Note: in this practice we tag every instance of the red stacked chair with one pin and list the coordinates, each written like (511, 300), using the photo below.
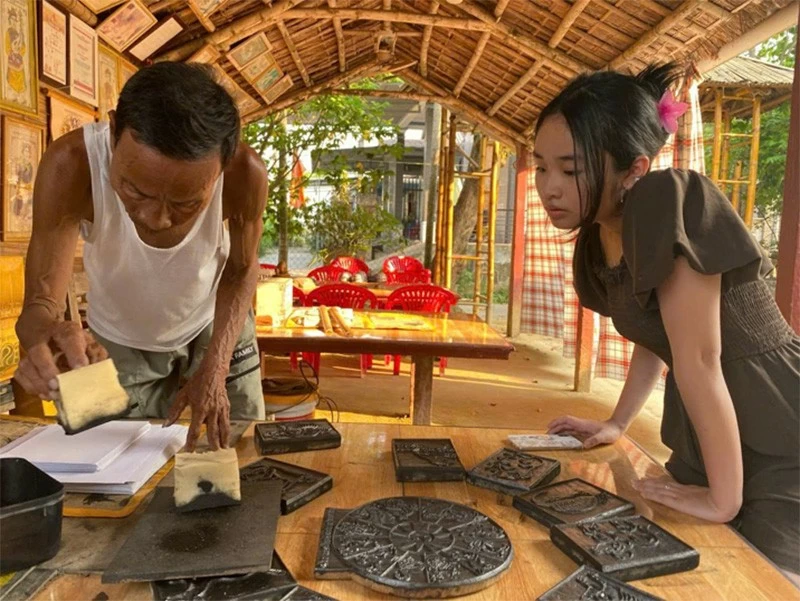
(345, 296)
(423, 298)
(350, 264)
(327, 274)
(405, 270)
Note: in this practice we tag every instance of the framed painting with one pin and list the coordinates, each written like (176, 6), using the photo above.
(82, 61)
(125, 71)
(278, 89)
(53, 39)
(266, 80)
(160, 35)
(108, 86)
(67, 115)
(22, 150)
(99, 6)
(19, 84)
(249, 50)
(208, 54)
(125, 25)
(203, 9)
(258, 66)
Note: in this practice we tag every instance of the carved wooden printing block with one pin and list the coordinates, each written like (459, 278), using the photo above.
(416, 547)
(274, 438)
(587, 584)
(513, 472)
(300, 485)
(628, 548)
(570, 502)
(426, 460)
(329, 566)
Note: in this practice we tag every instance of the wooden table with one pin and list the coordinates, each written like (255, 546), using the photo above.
(362, 470)
(453, 335)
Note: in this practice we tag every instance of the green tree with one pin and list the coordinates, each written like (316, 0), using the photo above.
(322, 124)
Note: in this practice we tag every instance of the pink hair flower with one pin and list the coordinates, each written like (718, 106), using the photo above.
(669, 111)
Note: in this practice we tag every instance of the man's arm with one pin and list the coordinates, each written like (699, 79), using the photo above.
(61, 198)
(244, 198)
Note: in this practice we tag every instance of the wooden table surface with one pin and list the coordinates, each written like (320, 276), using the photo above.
(362, 471)
(455, 335)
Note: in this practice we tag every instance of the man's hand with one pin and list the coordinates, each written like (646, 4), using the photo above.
(208, 398)
(69, 346)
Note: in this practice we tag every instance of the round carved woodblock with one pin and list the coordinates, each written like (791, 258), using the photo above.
(422, 548)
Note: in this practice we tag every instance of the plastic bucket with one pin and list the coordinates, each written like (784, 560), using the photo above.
(289, 399)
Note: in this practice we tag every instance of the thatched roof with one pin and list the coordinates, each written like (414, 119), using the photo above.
(740, 79)
(495, 62)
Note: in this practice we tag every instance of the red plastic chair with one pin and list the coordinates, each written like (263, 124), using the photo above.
(353, 265)
(422, 298)
(327, 274)
(405, 270)
(346, 296)
(267, 270)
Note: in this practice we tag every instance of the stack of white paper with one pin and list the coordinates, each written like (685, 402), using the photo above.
(113, 458)
(51, 450)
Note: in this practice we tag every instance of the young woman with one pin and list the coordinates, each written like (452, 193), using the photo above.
(666, 256)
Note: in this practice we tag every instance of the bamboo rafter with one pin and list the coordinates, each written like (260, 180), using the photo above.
(572, 14)
(74, 7)
(287, 38)
(426, 42)
(340, 48)
(476, 56)
(500, 8)
(512, 91)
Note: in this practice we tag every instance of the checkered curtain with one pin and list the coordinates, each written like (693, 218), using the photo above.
(550, 305)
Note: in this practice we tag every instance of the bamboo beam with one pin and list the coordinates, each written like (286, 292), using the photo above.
(450, 205)
(500, 8)
(390, 16)
(514, 323)
(521, 82)
(363, 70)
(399, 95)
(438, 261)
(737, 176)
(717, 152)
(726, 146)
(492, 126)
(227, 36)
(287, 38)
(787, 292)
(753, 177)
(163, 4)
(494, 190)
(665, 25)
(476, 288)
(572, 15)
(426, 42)
(340, 44)
(559, 61)
(476, 56)
(76, 8)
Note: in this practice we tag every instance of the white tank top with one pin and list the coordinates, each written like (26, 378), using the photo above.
(153, 299)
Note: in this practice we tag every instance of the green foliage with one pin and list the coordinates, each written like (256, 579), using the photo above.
(338, 228)
(774, 136)
(466, 283)
(322, 124)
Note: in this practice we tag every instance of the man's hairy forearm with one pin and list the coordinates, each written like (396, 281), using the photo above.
(36, 321)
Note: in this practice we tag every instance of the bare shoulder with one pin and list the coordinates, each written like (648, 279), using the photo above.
(64, 178)
(245, 186)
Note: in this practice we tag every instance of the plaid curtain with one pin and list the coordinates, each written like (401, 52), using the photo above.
(550, 305)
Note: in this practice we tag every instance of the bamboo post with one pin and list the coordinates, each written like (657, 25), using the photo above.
(726, 148)
(450, 204)
(715, 157)
(737, 175)
(494, 184)
(476, 290)
(440, 213)
(753, 178)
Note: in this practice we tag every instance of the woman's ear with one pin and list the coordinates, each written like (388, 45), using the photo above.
(638, 169)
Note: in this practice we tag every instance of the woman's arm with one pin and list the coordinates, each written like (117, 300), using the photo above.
(690, 309)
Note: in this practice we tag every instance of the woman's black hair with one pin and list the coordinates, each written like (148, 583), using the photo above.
(180, 110)
(615, 114)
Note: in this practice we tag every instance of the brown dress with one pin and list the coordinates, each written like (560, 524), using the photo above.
(670, 213)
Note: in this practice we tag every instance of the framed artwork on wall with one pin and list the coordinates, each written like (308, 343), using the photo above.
(125, 25)
(53, 45)
(159, 36)
(208, 54)
(99, 6)
(82, 61)
(19, 82)
(249, 50)
(67, 115)
(125, 71)
(22, 149)
(108, 82)
(203, 9)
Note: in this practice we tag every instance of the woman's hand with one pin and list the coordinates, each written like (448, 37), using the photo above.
(591, 432)
(693, 500)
